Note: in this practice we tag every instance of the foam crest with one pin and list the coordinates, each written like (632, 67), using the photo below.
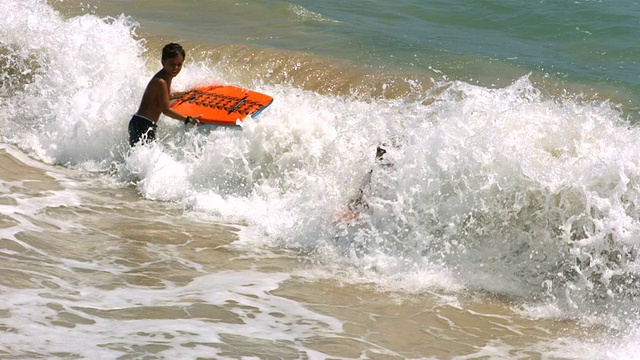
(306, 14)
(512, 189)
(83, 71)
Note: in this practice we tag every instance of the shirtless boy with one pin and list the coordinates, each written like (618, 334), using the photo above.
(157, 96)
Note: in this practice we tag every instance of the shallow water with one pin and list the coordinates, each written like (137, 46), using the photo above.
(507, 226)
(93, 271)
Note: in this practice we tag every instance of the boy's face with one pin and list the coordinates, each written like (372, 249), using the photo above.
(172, 66)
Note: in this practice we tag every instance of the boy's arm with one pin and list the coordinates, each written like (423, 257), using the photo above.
(165, 103)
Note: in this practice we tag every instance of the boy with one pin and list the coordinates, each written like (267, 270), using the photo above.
(156, 98)
(358, 203)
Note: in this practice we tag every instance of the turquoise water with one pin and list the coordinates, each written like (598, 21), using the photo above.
(590, 43)
(586, 42)
(515, 177)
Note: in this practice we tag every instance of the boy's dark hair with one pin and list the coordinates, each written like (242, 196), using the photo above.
(172, 50)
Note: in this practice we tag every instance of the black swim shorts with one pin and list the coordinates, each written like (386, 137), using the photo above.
(141, 129)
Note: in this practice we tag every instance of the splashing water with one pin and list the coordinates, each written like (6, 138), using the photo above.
(511, 191)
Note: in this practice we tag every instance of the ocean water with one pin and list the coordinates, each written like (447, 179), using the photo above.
(505, 224)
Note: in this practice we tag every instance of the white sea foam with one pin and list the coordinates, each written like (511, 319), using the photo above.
(508, 191)
(246, 311)
(489, 183)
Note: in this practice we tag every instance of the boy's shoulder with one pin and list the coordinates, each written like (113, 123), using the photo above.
(158, 81)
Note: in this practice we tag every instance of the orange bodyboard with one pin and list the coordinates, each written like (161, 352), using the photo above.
(221, 104)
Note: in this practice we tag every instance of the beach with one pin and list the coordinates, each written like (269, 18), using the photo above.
(504, 224)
